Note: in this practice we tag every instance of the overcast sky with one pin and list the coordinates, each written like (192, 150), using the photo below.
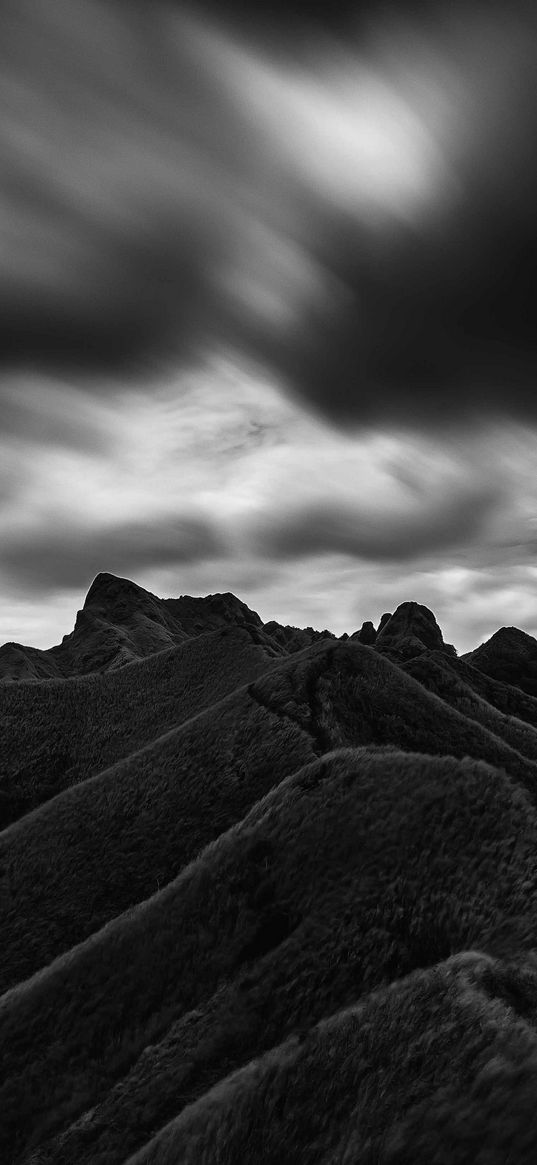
(265, 319)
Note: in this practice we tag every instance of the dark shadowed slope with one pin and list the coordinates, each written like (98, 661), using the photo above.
(266, 895)
(506, 698)
(355, 871)
(509, 655)
(120, 835)
(121, 622)
(410, 631)
(355, 1089)
(445, 679)
(58, 733)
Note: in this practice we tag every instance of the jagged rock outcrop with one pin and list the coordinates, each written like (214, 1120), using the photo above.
(366, 635)
(294, 638)
(121, 622)
(411, 630)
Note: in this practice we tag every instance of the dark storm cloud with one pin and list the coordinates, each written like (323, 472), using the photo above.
(432, 331)
(153, 213)
(331, 528)
(280, 19)
(53, 558)
(430, 319)
(277, 17)
(145, 301)
(109, 140)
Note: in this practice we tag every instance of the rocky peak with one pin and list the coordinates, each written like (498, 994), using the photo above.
(108, 592)
(411, 622)
(366, 635)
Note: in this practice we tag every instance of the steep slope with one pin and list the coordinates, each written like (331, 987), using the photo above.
(506, 698)
(509, 655)
(435, 673)
(119, 836)
(128, 830)
(56, 734)
(357, 870)
(410, 631)
(121, 622)
(266, 895)
(27, 663)
(355, 1088)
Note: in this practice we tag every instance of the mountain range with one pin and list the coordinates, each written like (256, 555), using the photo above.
(266, 895)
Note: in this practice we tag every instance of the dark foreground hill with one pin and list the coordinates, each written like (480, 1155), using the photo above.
(266, 895)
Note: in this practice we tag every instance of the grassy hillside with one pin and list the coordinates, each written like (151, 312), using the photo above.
(354, 1089)
(107, 843)
(102, 846)
(58, 733)
(510, 655)
(506, 698)
(354, 872)
(437, 675)
(266, 895)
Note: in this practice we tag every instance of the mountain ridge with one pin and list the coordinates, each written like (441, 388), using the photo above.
(120, 622)
(244, 866)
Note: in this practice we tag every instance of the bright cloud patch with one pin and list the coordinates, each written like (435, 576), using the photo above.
(219, 481)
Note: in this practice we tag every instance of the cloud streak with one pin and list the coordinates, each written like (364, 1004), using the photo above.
(243, 480)
(62, 559)
(355, 218)
(402, 536)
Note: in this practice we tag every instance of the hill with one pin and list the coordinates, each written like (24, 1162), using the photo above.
(121, 622)
(510, 655)
(58, 733)
(266, 895)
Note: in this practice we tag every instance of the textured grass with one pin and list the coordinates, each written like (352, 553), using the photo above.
(60, 732)
(104, 845)
(376, 1082)
(265, 901)
(355, 871)
(113, 840)
(439, 677)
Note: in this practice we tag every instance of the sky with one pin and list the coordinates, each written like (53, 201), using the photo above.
(265, 308)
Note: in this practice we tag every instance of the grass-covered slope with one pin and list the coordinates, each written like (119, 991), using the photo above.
(510, 655)
(105, 844)
(438, 675)
(355, 871)
(58, 733)
(438, 1069)
(121, 622)
(507, 698)
(265, 895)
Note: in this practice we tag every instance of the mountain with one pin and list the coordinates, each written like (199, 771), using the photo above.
(121, 622)
(411, 630)
(509, 655)
(265, 894)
